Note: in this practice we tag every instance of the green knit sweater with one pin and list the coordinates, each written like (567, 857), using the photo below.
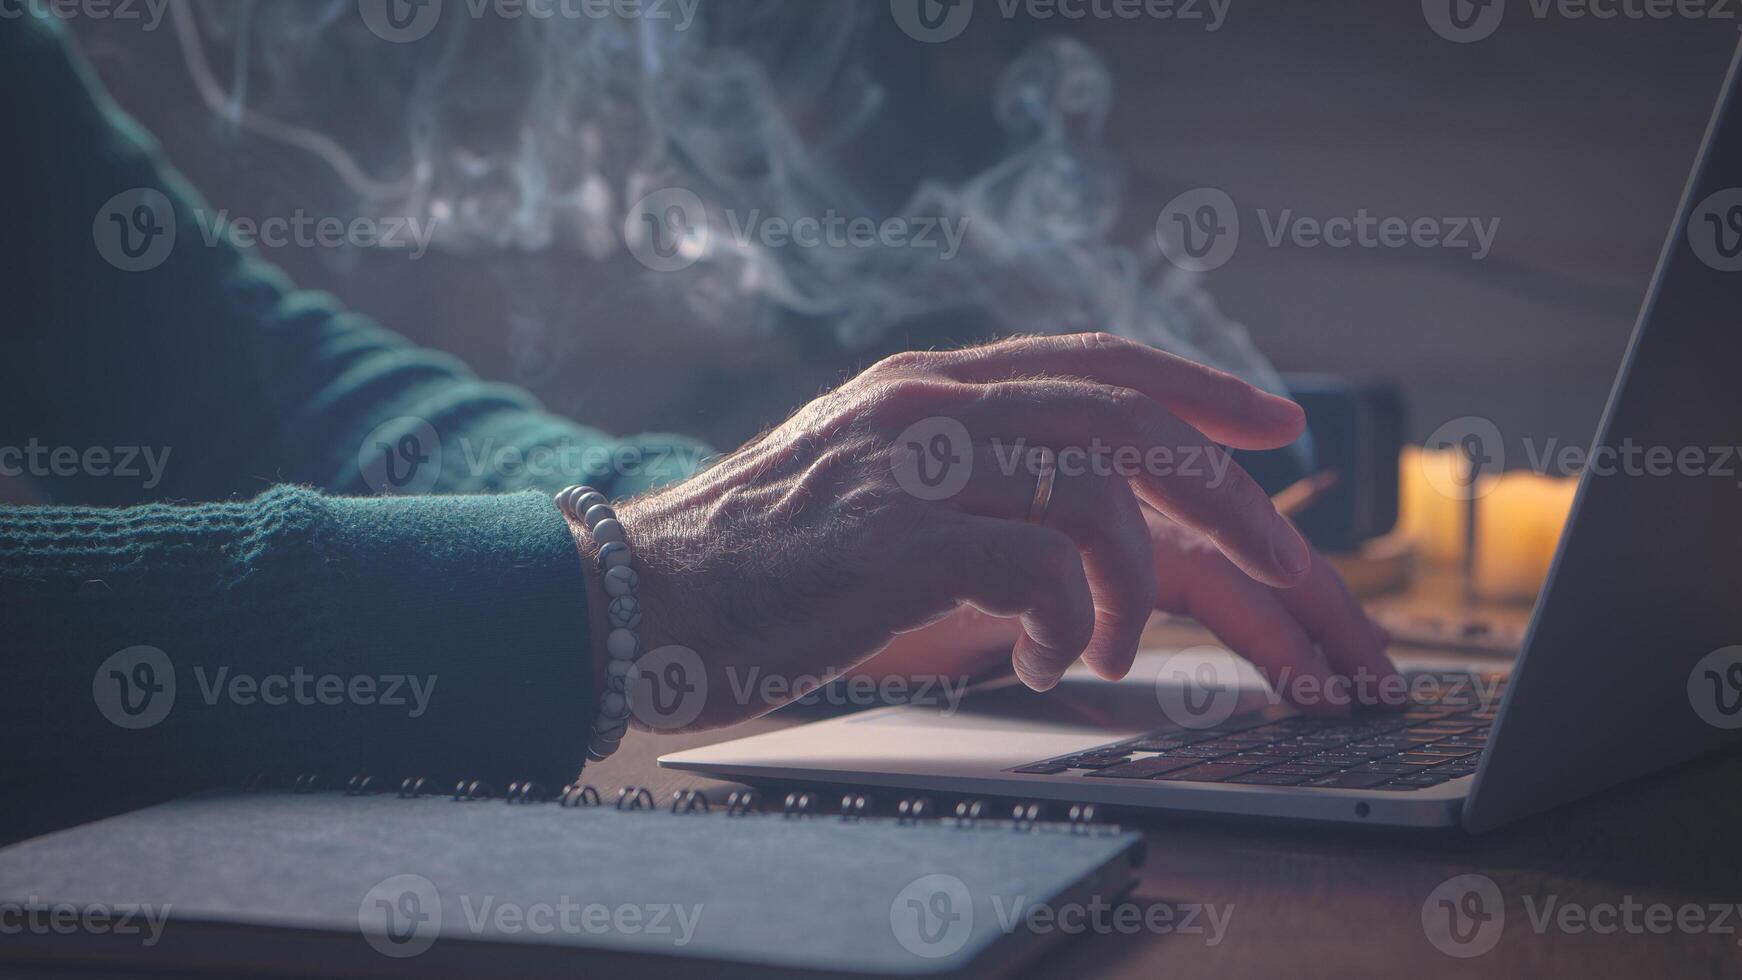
(211, 443)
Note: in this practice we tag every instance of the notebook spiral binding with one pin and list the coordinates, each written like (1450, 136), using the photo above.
(1025, 817)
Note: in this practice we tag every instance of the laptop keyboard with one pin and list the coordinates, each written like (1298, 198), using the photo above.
(1438, 739)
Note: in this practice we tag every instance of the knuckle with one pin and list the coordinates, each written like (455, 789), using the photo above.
(901, 361)
(1014, 396)
(1014, 342)
(1102, 340)
(902, 398)
(1125, 404)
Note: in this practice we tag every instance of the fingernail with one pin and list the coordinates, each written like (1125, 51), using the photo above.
(1288, 548)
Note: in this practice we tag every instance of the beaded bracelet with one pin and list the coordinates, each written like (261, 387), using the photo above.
(623, 644)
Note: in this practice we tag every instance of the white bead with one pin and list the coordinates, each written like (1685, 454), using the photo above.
(622, 644)
(586, 500)
(625, 612)
(596, 513)
(621, 580)
(614, 553)
(608, 531)
(572, 500)
(617, 673)
(614, 705)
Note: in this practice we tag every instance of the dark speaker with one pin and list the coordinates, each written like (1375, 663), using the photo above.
(1357, 430)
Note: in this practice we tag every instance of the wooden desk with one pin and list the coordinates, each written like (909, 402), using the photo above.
(1348, 903)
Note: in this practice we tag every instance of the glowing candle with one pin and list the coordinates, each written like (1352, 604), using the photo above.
(1518, 525)
(1518, 520)
(1431, 510)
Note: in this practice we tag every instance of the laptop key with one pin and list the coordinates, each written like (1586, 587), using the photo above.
(1205, 751)
(1209, 772)
(1097, 762)
(1267, 756)
(1157, 744)
(1043, 768)
(1340, 759)
(1449, 751)
(1296, 769)
(1417, 759)
(1373, 748)
(1144, 768)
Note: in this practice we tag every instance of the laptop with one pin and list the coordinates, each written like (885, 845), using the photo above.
(1632, 661)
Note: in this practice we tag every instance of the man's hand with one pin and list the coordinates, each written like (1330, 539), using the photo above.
(887, 505)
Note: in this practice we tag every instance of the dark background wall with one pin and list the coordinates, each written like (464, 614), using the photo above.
(1575, 134)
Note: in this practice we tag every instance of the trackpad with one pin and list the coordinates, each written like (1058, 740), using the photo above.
(1165, 687)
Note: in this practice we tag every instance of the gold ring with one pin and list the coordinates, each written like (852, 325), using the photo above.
(1046, 474)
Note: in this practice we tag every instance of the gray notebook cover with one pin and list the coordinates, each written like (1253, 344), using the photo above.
(376, 885)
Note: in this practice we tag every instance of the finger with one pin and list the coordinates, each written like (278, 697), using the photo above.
(1353, 644)
(1101, 515)
(1226, 408)
(1173, 466)
(1012, 569)
(1251, 620)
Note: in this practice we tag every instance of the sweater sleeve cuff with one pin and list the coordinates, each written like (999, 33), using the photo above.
(484, 596)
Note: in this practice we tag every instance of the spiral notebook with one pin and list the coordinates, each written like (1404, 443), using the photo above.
(348, 884)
